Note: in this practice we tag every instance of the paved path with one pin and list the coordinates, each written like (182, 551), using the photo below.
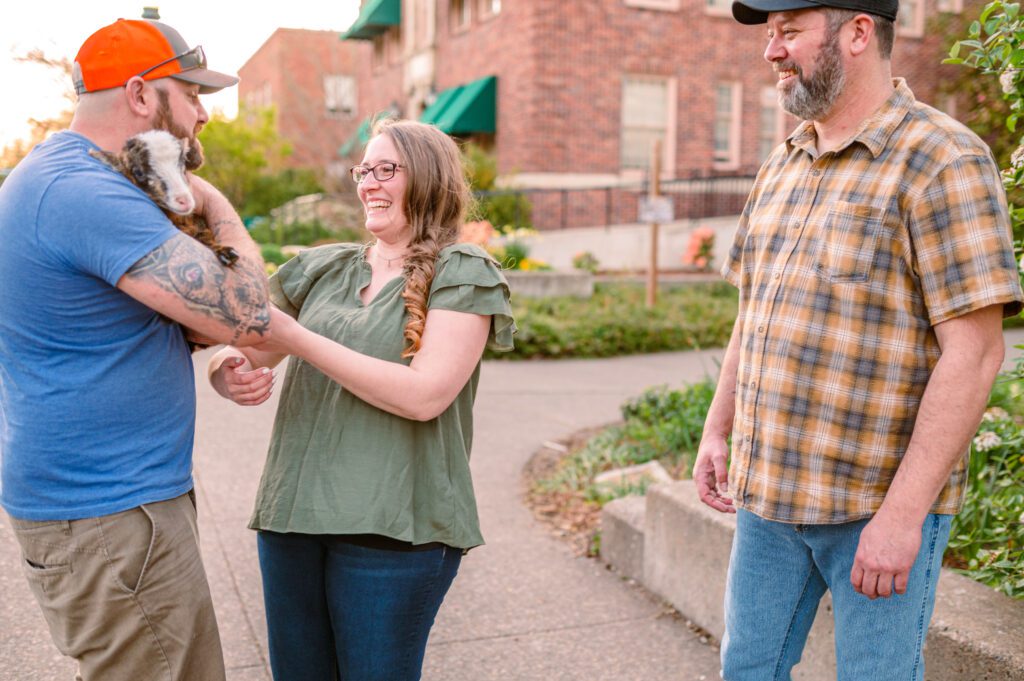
(522, 607)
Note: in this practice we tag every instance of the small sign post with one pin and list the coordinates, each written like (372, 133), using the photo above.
(655, 209)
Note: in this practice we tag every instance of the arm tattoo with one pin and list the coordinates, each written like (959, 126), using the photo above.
(235, 297)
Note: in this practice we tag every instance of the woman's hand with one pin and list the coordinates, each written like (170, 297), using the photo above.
(236, 380)
(284, 331)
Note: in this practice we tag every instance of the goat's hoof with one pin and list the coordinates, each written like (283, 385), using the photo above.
(227, 256)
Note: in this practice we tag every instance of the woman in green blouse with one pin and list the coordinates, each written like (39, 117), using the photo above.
(366, 505)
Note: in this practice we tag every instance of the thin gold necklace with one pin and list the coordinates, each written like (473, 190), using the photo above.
(376, 252)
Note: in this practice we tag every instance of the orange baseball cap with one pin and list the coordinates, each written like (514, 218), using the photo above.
(141, 47)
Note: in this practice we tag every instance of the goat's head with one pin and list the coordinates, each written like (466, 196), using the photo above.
(156, 161)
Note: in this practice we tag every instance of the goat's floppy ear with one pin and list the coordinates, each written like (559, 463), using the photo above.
(135, 156)
(193, 154)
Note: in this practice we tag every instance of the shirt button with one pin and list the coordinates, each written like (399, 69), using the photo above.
(796, 224)
(760, 329)
(753, 384)
(816, 173)
(777, 276)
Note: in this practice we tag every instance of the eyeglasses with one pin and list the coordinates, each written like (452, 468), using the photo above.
(382, 172)
(193, 59)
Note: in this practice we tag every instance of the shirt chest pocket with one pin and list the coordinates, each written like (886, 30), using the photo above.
(849, 242)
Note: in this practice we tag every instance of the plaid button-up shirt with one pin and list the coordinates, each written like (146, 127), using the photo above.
(845, 262)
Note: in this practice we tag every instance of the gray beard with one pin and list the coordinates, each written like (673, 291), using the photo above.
(811, 99)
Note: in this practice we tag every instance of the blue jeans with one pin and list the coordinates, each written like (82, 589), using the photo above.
(337, 609)
(777, 574)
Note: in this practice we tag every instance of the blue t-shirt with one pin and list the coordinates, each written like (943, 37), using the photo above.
(97, 395)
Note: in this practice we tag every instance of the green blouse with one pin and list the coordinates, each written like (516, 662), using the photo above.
(338, 465)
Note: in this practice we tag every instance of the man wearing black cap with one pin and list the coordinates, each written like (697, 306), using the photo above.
(874, 263)
(97, 402)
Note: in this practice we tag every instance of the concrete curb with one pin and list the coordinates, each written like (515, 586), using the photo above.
(976, 634)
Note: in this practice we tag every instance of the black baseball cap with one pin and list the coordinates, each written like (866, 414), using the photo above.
(757, 11)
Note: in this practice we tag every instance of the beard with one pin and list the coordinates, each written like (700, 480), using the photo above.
(813, 97)
(164, 120)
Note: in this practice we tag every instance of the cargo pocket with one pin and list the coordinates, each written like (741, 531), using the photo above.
(849, 242)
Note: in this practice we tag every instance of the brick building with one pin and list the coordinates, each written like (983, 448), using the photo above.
(310, 78)
(578, 89)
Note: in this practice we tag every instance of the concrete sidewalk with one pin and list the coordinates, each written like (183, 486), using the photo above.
(523, 607)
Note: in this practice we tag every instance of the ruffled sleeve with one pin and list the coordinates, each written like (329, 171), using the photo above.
(292, 281)
(468, 280)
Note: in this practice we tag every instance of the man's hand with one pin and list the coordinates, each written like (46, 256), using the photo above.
(711, 474)
(887, 550)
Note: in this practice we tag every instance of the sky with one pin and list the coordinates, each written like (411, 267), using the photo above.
(228, 36)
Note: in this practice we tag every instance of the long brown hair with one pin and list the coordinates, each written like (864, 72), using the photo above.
(436, 200)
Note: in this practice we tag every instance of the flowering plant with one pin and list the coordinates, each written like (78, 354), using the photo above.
(699, 249)
(586, 261)
(479, 233)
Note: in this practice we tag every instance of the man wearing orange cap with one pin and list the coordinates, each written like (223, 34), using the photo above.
(874, 263)
(97, 402)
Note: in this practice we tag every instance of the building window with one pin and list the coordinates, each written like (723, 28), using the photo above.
(771, 123)
(955, 6)
(379, 53)
(340, 95)
(910, 19)
(645, 112)
(666, 5)
(727, 126)
(460, 13)
(722, 8)
(489, 8)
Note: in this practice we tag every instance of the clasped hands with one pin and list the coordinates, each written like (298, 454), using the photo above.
(239, 381)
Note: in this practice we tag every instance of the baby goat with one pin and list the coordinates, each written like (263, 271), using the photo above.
(155, 162)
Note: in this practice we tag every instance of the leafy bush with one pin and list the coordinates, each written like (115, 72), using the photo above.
(272, 254)
(503, 209)
(303, 233)
(987, 540)
(660, 424)
(615, 321)
(988, 536)
(586, 261)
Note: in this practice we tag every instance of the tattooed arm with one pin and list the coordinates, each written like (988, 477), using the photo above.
(183, 279)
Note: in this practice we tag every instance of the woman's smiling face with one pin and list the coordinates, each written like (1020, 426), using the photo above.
(384, 200)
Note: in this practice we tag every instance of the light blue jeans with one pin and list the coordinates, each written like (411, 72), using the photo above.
(778, 573)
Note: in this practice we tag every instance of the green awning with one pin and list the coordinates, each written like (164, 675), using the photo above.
(375, 17)
(361, 136)
(465, 109)
(443, 99)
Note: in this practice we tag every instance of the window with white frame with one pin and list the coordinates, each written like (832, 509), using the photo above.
(718, 7)
(666, 5)
(488, 8)
(727, 125)
(459, 14)
(954, 6)
(772, 129)
(910, 19)
(340, 95)
(645, 112)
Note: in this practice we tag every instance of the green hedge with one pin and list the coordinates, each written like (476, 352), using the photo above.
(615, 321)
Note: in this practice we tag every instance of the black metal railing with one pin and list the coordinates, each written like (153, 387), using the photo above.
(693, 198)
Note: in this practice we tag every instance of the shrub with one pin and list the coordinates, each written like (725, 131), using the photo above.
(585, 261)
(615, 321)
(503, 209)
(660, 424)
(987, 540)
(272, 254)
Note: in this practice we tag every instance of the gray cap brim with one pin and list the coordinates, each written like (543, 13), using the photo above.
(207, 80)
(753, 12)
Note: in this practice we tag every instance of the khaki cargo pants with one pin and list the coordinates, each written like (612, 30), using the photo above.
(126, 594)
